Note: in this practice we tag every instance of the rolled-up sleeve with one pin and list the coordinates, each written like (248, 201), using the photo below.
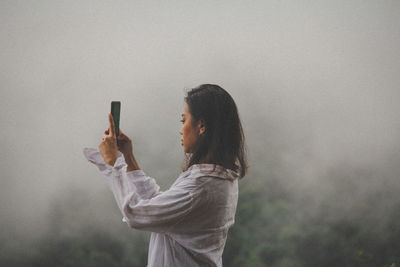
(160, 213)
(142, 204)
(146, 186)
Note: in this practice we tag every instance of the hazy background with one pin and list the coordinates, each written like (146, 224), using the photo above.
(316, 85)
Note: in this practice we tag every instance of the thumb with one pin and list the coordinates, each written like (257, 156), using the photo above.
(121, 136)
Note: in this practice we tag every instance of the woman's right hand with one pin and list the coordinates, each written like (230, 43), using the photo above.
(124, 143)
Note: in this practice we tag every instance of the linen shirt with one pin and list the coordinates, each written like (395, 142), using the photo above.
(189, 222)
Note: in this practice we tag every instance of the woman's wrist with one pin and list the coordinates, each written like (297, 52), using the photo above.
(131, 162)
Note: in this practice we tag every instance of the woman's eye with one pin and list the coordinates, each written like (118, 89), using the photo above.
(182, 121)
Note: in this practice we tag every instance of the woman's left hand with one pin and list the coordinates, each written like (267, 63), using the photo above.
(108, 147)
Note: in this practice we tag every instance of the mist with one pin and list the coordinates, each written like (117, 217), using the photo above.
(316, 85)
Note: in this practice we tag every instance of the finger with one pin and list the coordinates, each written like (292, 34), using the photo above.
(121, 133)
(112, 128)
(122, 136)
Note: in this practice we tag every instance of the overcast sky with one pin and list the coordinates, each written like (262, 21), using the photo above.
(316, 83)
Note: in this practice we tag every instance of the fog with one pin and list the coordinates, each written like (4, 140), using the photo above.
(316, 85)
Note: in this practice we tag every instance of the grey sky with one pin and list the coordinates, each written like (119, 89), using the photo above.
(315, 84)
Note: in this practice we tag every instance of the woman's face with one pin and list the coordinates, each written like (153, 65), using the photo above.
(190, 133)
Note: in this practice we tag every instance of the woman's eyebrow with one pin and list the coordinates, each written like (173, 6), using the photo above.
(183, 115)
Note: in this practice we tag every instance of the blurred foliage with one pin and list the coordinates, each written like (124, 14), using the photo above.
(275, 232)
(272, 228)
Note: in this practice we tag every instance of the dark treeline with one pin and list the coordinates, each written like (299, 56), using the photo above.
(273, 227)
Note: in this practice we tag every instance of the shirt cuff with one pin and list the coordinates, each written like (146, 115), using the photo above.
(136, 173)
(119, 164)
(94, 156)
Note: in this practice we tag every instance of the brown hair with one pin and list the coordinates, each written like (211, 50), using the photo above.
(223, 141)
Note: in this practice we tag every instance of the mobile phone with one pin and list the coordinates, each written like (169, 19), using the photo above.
(115, 112)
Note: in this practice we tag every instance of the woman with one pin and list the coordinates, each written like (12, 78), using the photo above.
(190, 221)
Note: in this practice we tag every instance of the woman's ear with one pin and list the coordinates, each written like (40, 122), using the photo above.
(201, 126)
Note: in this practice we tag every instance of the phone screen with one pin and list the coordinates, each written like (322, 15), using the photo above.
(115, 112)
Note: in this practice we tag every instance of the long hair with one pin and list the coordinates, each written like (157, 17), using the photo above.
(223, 142)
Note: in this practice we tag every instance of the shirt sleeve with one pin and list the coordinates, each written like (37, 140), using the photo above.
(146, 186)
(142, 204)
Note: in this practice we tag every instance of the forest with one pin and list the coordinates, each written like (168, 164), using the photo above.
(273, 227)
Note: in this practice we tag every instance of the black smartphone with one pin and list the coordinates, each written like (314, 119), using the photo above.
(115, 112)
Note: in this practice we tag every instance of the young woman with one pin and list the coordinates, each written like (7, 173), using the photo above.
(189, 221)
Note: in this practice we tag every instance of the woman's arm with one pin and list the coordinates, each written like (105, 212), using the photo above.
(131, 163)
(144, 185)
(126, 148)
(159, 213)
(138, 197)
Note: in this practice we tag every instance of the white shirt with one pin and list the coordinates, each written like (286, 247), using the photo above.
(189, 221)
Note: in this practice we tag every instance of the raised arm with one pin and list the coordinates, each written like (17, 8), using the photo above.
(159, 213)
(117, 151)
(142, 204)
(136, 180)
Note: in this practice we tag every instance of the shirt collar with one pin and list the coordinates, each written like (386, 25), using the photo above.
(213, 170)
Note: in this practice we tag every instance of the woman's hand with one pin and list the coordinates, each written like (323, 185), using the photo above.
(108, 147)
(124, 144)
